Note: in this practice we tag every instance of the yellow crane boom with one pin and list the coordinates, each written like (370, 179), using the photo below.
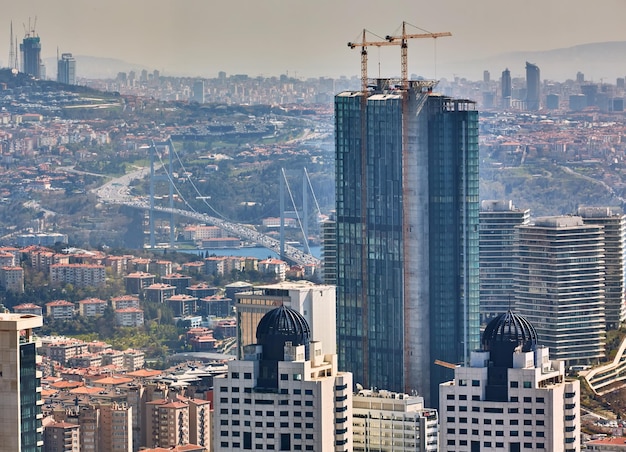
(402, 39)
(364, 44)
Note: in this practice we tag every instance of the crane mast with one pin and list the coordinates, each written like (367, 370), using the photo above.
(404, 48)
(364, 44)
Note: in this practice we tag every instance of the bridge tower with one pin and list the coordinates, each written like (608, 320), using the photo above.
(168, 176)
(301, 215)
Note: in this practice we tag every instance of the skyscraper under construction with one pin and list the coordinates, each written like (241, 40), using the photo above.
(30, 49)
(407, 235)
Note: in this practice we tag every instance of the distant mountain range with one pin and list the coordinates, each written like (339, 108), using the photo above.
(604, 60)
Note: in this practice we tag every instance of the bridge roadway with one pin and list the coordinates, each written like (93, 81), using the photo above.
(116, 191)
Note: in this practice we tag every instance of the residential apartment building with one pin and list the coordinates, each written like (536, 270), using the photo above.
(130, 316)
(80, 275)
(511, 397)
(614, 223)
(389, 421)
(560, 286)
(61, 437)
(274, 267)
(498, 238)
(166, 423)
(12, 278)
(60, 310)
(91, 307)
(286, 394)
(28, 308)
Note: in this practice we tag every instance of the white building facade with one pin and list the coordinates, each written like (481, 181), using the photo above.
(511, 397)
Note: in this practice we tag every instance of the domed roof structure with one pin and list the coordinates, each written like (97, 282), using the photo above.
(283, 325)
(511, 329)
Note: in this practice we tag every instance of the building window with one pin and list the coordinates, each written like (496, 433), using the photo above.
(308, 392)
(284, 377)
(527, 385)
(514, 399)
(539, 400)
(234, 375)
(499, 421)
(462, 382)
(514, 384)
(528, 399)
(475, 382)
(297, 377)
(450, 397)
(462, 420)
(247, 376)
(540, 411)
(450, 408)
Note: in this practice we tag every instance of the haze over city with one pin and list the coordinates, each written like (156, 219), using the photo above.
(308, 39)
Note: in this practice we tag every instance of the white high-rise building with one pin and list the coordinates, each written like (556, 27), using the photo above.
(315, 302)
(614, 224)
(511, 397)
(379, 416)
(285, 395)
(560, 286)
(497, 239)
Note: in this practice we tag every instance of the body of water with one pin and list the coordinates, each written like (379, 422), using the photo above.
(259, 252)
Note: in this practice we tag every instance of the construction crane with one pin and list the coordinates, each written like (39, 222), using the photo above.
(402, 40)
(364, 44)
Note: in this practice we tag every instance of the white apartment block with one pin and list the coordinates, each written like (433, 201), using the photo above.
(12, 278)
(285, 395)
(92, 307)
(60, 310)
(129, 316)
(80, 275)
(389, 421)
(511, 397)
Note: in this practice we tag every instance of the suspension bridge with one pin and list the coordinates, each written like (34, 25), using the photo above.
(117, 192)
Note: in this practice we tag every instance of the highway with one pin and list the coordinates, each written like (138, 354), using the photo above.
(117, 191)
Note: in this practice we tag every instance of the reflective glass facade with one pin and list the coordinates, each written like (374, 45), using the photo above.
(407, 237)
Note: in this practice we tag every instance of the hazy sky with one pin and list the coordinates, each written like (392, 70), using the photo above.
(307, 37)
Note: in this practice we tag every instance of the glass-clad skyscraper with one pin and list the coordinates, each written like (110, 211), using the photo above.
(407, 235)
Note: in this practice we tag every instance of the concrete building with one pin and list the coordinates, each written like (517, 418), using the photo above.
(407, 235)
(60, 310)
(200, 421)
(129, 316)
(511, 397)
(166, 423)
(91, 307)
(498, 237)
(61, 437)
(28, 308)
(80, 275)
(116, 428)
(329, 251)
(20, 417)
(136, 282)
(560, 286)
(378, 416)
(533, 87)
(506, 88)
(182, 305)
(158, 292)
(315, 302)
(30, 49)
(614, 223)
(12, 278)
(66, 69)
(274, 267)
(285, 395)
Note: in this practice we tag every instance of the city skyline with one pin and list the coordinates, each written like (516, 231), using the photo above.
(303, 38)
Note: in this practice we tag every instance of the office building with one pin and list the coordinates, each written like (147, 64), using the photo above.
(66, 69)
(511, 397)
(498, 235)
(30, 49)
(560, 286)
(285, 395)
(198, 91)
(315, 302)
(533, 87)
(20, 392)
(407, 235)
(378, 416)
(506, 88)
(614, 223)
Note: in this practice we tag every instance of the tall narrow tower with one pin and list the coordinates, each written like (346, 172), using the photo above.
(20, 416)
(31, 53)
(407, 235)
(533, 87)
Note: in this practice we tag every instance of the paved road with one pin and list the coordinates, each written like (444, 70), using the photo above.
(117, 191)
